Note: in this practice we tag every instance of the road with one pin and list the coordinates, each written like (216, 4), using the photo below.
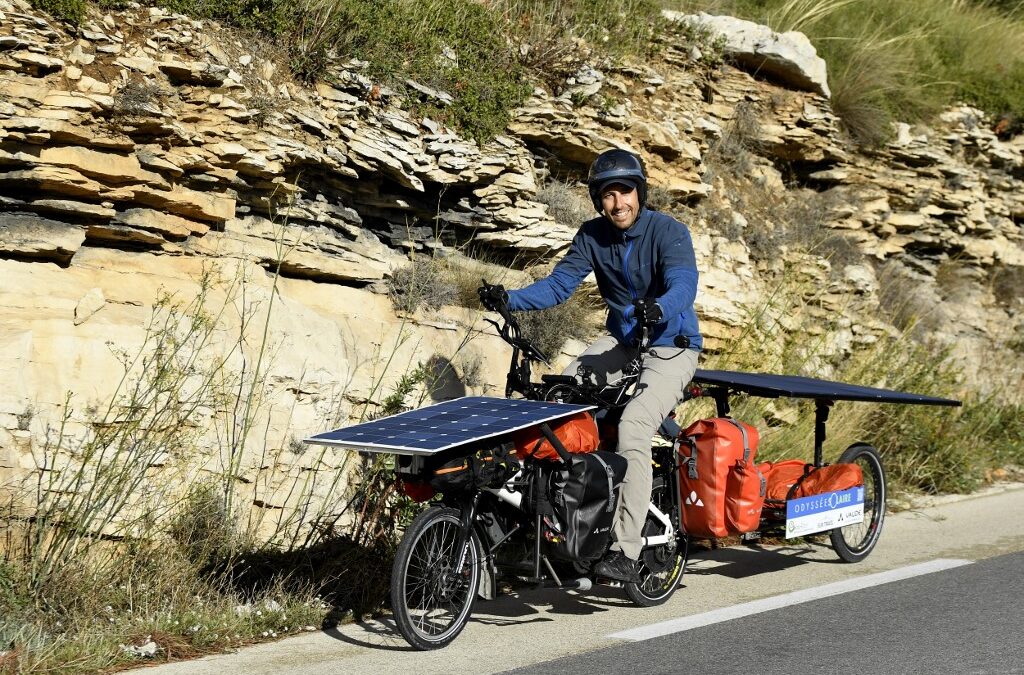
(963, 597)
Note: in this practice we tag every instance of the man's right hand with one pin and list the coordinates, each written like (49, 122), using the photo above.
(494, 298)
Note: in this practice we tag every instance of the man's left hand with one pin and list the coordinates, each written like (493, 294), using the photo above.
(647, 312)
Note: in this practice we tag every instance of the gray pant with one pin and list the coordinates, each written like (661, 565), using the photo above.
(661, 387)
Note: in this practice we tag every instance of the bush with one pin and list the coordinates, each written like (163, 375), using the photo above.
(421, 284)
(567, 206)
(202, 527)
(548, 329)
(72, 11)
(272, 17)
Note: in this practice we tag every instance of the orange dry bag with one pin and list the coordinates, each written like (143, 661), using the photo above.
(831, 478)
(795, 478)
(782, 476)
(722, 490)
(577, 433)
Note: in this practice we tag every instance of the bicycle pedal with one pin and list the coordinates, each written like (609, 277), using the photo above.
(604, 581)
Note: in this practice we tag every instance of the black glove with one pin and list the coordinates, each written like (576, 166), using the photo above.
(494, 298)
(647, 312)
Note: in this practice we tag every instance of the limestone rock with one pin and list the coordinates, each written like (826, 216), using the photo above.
(90, 303)
(29, 236)
(790, 57)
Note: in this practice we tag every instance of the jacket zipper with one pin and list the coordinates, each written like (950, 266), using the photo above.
(625, 269)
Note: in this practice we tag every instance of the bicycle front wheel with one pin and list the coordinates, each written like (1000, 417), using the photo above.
(661, 567)
(433, 585)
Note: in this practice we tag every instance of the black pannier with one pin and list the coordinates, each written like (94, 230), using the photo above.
(582, 500)
(489, 467)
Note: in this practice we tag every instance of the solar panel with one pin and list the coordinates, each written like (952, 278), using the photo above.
(435, 428)
(772, 386)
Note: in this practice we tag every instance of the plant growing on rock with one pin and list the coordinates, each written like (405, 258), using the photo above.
(567, 206)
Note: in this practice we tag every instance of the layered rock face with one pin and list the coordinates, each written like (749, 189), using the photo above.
(152, 156)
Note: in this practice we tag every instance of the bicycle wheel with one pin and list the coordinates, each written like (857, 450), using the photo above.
(854, 542)
(661, 567)
(431, 594)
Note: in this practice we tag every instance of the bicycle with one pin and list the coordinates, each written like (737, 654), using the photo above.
(461, 546)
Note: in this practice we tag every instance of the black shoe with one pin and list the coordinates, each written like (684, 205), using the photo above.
(615, 565)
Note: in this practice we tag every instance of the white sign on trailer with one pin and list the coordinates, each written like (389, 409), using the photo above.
(826, 511)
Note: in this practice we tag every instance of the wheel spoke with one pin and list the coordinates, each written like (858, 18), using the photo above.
(432, 600)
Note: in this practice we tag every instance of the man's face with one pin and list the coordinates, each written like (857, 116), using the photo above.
(621, 205)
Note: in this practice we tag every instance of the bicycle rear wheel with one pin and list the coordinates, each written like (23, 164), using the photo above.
(854, 542)
(431, 593)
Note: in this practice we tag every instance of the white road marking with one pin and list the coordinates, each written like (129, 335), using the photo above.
(785, 600)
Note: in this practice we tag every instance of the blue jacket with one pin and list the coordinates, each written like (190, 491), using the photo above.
(654, 258)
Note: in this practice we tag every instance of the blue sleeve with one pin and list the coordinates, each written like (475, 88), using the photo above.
(558, 286)
(679, 270)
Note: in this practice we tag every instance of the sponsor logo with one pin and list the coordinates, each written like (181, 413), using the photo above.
(693, 500)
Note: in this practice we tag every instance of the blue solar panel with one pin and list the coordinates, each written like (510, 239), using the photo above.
(771, 386)
(439, 427)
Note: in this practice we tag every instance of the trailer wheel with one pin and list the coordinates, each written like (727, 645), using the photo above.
(853, 543)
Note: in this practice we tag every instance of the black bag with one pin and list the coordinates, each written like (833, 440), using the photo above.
(582, 499)
(489, 467)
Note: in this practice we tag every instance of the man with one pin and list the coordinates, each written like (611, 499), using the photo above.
(647, 274)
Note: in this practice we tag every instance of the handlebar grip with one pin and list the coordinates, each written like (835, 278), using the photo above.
(563, 454)
(557, 379)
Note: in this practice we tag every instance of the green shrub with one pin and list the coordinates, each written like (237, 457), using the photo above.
(273, 17)
(72, 11)
(456, 46)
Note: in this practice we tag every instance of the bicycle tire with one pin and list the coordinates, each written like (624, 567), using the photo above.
(660, 567)
(430, 601)
(855, 542)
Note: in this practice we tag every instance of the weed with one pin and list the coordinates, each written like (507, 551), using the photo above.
(1007, 283)
(568, 206)
(732, 152)
(201, 525)
(137, 98)
(264, 106)
(25, 417)
(421, 284)
(660, 199)
(954, 279)
(548, 329)
(908, 303)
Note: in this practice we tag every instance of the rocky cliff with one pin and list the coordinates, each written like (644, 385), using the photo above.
(148, 160)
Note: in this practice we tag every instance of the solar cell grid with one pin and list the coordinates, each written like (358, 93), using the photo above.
(446, 425)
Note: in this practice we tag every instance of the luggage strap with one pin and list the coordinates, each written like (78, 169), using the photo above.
(611, 482)
(746, 441)
(691, 459)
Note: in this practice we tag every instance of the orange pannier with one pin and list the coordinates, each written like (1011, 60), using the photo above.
(577, 433)
(722, 490)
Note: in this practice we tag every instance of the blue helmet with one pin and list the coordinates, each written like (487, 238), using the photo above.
(616, 166)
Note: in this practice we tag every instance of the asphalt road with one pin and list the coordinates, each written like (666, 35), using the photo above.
(963, 616)
(968, 619)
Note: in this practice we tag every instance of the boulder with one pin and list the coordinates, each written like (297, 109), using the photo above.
(788, 57)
